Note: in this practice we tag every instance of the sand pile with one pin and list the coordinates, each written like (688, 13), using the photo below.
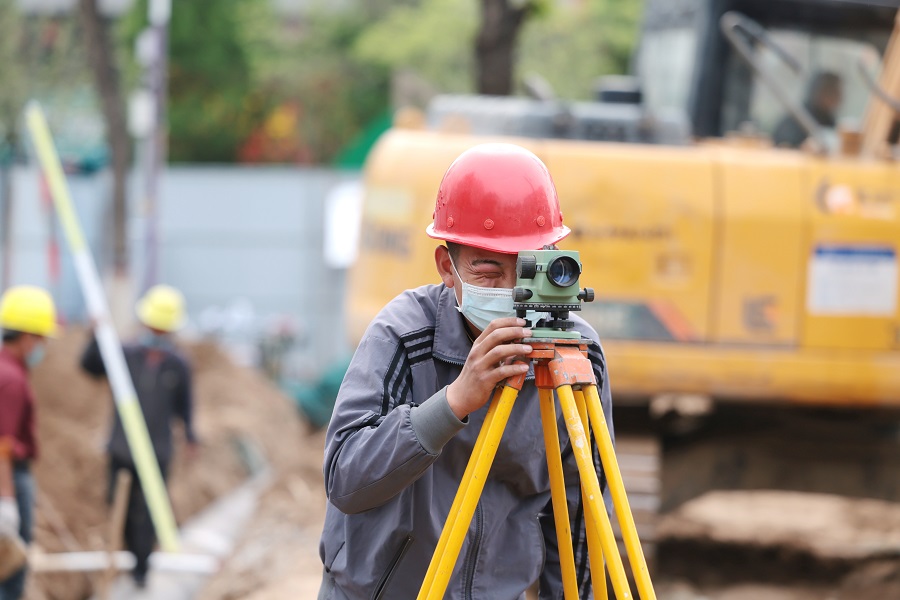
(725, 544)
(234, 408)
(277, 559)
(823, 525)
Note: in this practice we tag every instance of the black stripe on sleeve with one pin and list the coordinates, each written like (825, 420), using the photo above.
(398, 364)
(414, 347)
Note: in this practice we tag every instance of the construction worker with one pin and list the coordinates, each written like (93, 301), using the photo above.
(415, 396)
(162, 380)
(27, 318)
(824, 97)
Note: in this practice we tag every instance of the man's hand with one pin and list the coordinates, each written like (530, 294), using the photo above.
(489, 362)
(9, 517)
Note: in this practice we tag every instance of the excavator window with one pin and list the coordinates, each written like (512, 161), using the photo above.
(665, 64)
(828, 85)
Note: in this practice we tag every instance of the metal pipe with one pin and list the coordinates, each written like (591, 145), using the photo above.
(876, 89)
(159, 13)
(6, 213)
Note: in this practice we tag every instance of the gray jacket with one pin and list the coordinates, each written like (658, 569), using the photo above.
(395, 454)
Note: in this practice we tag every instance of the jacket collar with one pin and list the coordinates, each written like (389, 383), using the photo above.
(451, 343)
(7, 357)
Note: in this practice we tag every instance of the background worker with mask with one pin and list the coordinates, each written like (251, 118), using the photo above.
(27, 318)
(162, 380)
(414, 400)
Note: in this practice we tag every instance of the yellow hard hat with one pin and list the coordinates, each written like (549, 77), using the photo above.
(162, 308)
(28, 309)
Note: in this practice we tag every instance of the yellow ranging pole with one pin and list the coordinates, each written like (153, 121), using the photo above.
(110, 347)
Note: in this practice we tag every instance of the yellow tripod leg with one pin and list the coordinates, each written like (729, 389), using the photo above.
(558, 495)
(591, 487)
(457, 500)
(595, 551)
(463, 516)
(620, 499)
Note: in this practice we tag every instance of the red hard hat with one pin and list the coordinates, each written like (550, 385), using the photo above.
(498, 197)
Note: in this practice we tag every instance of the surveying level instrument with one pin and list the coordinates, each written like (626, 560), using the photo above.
(547, 282)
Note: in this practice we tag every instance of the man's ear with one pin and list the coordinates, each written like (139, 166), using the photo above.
(444, 266)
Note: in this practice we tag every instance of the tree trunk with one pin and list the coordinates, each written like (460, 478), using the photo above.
(157, 155)
(495, 45)
(106, 77)
(102, 61)
(6, 203)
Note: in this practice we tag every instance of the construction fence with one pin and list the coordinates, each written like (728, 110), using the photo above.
(246, 245)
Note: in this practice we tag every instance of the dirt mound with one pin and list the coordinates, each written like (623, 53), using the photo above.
(234, 408)
(830, 527)
(277, 559)
(808, 543)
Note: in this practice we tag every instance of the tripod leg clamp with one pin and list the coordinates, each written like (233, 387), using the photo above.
(569, 367)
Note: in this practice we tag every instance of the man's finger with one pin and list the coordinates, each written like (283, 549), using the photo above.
(507, 371)
(501, 353)
(507, 334)
(503, 323)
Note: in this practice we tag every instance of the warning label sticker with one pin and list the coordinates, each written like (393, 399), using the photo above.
(852, 281)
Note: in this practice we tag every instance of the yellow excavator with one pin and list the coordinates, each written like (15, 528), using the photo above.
(736, 204)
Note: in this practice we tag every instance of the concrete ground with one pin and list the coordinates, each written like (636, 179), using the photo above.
(213, 533)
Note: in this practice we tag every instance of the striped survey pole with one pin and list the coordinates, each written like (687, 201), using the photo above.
(110, 346)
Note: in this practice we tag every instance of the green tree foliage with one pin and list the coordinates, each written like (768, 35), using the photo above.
(338, 94)
(569, 46)
(39, 57)
(246, 85)
(12, 74)
(433, 37)
(212, 106)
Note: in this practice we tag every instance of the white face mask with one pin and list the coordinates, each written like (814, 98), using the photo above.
(481, 305)
(36, 356)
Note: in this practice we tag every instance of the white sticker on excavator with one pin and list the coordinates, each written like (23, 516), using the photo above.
(852, 281)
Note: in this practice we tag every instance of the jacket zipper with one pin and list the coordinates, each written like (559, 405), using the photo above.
(450, 361)
(472, 554)
(392, 568)
(460, 363)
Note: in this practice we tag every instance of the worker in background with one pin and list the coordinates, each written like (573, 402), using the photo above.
(162, 380)
(823, 100)
(415, 396)
(27, 318)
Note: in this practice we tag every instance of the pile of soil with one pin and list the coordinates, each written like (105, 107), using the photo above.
(277, 558)
(752, 547)
(234, 408)
(824, 525)
(802, 545)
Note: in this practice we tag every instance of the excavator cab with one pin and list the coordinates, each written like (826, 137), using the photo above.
(743, 65)
(736, 206)
(782, 71)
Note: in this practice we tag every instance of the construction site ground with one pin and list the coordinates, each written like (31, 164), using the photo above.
(722, 546)
(238, 415)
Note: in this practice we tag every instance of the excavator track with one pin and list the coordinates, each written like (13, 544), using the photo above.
(639, 460)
